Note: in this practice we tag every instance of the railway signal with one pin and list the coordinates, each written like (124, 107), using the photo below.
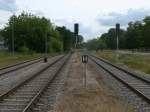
(76, 28)
(117, 34)
(76, 32)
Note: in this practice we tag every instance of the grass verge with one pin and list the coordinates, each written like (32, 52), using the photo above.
(7, 58)
(133, 61)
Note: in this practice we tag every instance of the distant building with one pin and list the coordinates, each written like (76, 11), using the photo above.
(2, 45)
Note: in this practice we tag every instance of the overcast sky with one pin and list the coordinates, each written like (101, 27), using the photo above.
(94, 16)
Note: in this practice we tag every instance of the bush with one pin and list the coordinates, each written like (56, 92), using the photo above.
(55, 46)
(24, 49)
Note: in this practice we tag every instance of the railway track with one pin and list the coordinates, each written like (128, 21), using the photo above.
(137, 84)
(18, 66)
(24, 96)
(13, 78)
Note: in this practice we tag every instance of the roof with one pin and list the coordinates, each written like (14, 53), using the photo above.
(1, 42)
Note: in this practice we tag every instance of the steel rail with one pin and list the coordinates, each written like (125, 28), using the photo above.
(28, 79)
(123, 69)
(30, 62)
(139, 93)
(28, 108)
(19, 63)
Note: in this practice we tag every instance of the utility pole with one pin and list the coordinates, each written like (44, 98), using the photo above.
(46, 45)
(13, 49)
(76, 32)
(46, 48)
(117, 34)
(117, 38)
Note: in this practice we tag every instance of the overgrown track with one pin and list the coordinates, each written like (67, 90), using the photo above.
(139, 85)
(18, 66)
(23, 97)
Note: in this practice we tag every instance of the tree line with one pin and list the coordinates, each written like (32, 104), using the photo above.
(36, 34)
(136, 36)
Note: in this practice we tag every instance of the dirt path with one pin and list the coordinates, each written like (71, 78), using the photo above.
(95, 97)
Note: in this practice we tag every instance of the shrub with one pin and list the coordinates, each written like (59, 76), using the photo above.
(24, 49)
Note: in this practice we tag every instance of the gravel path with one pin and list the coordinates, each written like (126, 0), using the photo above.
(96, 96)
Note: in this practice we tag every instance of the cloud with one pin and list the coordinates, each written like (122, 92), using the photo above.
(98, 26)
(123, 18)
(4, 17)
(8, 5)
(69, 24)
(87, 31)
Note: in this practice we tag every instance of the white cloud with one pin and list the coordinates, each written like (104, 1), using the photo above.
(124, 18)
(87, 30)
(89, 13)
(8, 5)
(4, 16)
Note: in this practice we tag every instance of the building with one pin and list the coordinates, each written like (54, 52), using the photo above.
(2, 46)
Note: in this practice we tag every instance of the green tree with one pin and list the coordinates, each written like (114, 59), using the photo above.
(31, 32)
(146, 32)
(67, 37)
(134, 36)
(109, 38)
(101, 44)
(92, 44)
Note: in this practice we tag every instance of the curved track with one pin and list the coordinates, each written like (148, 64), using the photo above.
(22, 97)
(135, 83)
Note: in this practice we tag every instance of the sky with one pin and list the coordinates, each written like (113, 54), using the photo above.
(95, 17)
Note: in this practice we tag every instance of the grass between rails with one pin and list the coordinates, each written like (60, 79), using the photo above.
(133, 61)
(6, 58)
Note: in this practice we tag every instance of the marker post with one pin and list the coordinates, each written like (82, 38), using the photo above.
(85, 61)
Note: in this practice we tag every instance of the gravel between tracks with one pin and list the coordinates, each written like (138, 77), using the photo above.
(97, 96)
